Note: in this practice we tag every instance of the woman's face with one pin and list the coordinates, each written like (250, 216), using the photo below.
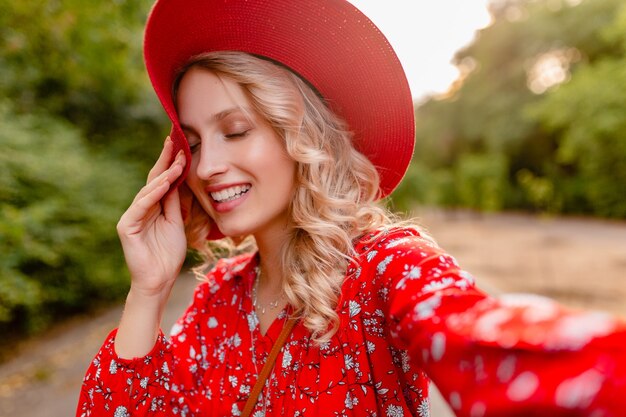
(240, 172)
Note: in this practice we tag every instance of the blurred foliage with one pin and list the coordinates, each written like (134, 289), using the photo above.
(58, 213)
(80, 128)
(82, 61)
(480, 181)
(537, 120)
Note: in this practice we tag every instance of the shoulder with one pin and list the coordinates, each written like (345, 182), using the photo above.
(403, 265)
(393, 256)
(398, 242)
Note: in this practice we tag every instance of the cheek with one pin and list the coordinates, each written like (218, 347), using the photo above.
(275, 159)
(284, 174)
(279, 165)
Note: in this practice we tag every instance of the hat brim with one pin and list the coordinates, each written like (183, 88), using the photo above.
(329, 43)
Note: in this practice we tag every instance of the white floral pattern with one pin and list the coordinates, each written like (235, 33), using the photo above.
(406, 309)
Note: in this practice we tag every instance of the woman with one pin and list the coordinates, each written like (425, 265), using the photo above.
(290, 119)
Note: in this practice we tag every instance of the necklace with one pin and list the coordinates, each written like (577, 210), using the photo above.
(263, 308)
(265, 392)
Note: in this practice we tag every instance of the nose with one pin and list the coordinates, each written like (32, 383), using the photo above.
(212, 162)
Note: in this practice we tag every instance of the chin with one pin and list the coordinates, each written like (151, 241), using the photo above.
(234, 232)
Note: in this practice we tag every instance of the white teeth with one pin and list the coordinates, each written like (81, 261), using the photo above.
(229, 194)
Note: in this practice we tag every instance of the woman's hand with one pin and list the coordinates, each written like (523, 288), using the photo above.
(152, 231)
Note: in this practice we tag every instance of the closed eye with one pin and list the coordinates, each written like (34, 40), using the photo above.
(236, 135)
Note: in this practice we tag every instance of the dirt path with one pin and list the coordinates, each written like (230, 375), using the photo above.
(45, 377)
(581, 263)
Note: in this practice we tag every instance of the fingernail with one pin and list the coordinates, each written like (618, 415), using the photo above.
(167, 139)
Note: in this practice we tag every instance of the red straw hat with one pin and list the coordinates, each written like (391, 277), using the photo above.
(330, 43)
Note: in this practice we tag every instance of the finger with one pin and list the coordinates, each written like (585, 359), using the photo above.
(142, 211)
(164, 160)
(169, 175)
(171, 208)
(147, 207)
(146, 204)
(148, 188)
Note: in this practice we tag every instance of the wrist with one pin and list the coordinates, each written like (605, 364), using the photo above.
(140, 323)
(140, 301)
(151, 294)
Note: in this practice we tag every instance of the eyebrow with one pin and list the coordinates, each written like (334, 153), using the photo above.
(221, 116)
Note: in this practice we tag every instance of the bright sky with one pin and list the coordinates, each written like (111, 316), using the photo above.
(425, 34)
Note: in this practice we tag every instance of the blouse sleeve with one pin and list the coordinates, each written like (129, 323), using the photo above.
(516, 355)
(162, 383)
(118, 387)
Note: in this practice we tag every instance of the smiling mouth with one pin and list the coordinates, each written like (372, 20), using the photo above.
(230, 194)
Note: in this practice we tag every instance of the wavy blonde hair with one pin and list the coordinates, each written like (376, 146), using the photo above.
(336, 187)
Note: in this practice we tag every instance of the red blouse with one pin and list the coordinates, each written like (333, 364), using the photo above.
(406, 311)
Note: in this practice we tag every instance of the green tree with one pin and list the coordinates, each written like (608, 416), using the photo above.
(589, 114)
(58, 213)
(82, 61)
(81, 126)
(539, 88)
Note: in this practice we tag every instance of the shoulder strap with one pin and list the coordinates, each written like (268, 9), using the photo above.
(267, 368)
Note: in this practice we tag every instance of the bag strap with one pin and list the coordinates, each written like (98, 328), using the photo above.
(267, 368)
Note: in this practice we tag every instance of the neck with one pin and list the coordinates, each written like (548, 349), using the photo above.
(271, 264)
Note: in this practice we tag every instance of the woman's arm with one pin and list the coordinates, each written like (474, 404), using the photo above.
(122, 387)
(153, 239)
(164, 382)
(514, 356)
(132, 373)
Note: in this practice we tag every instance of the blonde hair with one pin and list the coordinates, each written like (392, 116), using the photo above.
(336, 187)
